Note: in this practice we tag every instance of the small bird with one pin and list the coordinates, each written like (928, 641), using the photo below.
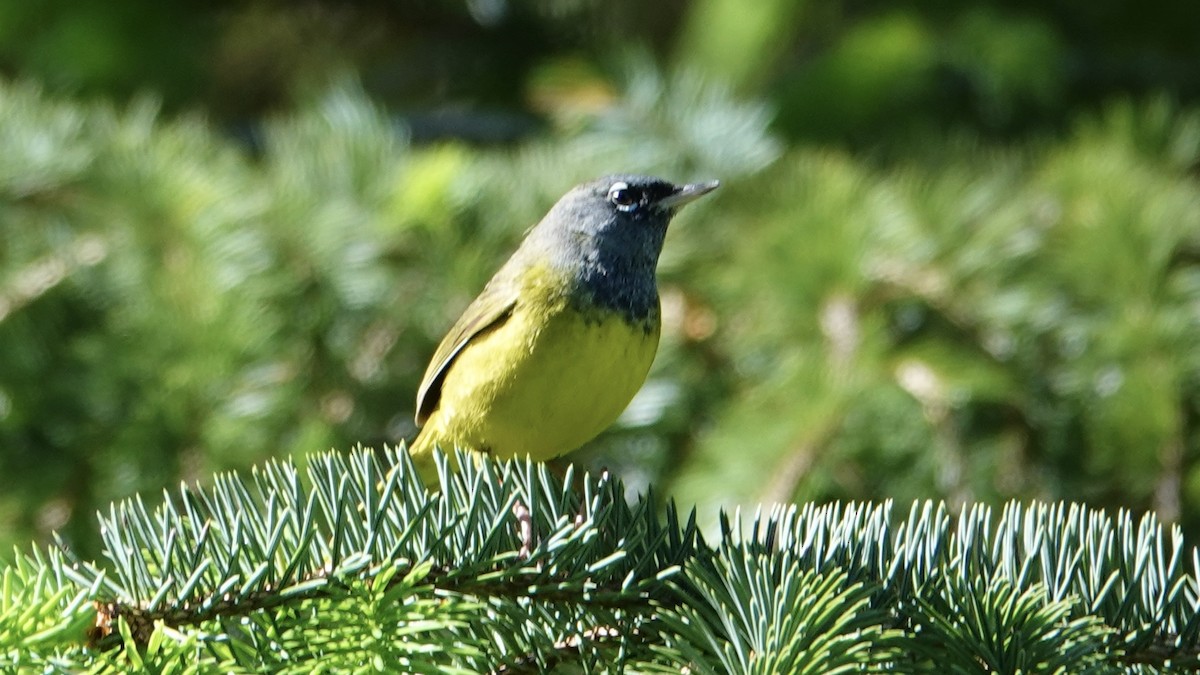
(562, 337)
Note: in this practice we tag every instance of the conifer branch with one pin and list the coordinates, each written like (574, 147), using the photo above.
(308, 558)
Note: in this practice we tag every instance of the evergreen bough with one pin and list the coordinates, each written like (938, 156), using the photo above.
(349, 564)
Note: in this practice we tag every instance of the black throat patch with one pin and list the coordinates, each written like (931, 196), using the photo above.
(630, 294)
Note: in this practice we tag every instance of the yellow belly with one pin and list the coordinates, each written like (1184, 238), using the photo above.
(541, 383)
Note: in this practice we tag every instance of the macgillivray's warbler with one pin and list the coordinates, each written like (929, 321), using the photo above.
(562, 337)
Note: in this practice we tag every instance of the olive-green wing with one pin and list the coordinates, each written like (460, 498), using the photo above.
(493, 306)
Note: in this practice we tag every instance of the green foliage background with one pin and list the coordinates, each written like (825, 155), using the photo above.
(955, 255)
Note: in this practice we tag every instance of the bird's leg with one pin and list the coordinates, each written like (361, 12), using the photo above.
(524, 529)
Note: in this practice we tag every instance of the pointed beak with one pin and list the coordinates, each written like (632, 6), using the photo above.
(687, 194)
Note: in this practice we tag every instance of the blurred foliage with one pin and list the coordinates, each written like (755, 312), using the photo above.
(861, 71)
(956, 254)
(1001, 322)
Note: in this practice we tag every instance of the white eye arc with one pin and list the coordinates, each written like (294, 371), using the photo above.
(622, 197)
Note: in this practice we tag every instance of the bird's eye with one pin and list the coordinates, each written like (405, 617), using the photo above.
(624, 197)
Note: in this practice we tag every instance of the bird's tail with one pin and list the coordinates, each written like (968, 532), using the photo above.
(421, 451)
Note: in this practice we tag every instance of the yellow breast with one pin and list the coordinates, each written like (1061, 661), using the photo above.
(545, 381)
